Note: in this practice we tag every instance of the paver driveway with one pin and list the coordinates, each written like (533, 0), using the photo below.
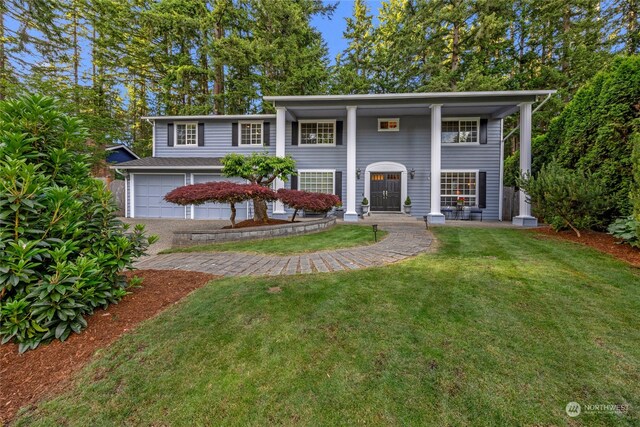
(403, 241)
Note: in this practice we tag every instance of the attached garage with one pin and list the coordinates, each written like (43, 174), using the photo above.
(149, 191)
(217, 210)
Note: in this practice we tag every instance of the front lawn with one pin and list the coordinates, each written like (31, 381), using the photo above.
(498, 327)
(337, 237)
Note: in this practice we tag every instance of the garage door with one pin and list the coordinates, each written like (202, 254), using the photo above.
(148, 193)
(218, 210)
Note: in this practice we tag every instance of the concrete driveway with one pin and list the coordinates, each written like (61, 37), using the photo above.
(164, 228)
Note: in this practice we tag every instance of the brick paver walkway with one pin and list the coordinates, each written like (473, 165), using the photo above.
(403, 241)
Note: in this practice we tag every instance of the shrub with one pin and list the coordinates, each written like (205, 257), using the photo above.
(566, 198)
(407, 201)
(62, 249)
(220, 192)
(315, 202)
(365, 201)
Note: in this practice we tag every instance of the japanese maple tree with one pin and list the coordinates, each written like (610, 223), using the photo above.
(305, 200)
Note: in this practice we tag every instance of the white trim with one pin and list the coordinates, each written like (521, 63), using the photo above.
(436, 162)
(250, 122)
(193, 207)
(387, 167)
(317, 121)
(414, 95)
(501, 188)
(331, 171)
(153, 137)
(461, 119)
(214, 117)
(175, 135)
(476, 171)
(281, 128)
(152, 173)
(166, 167)
(126, 196)
(525, 155)
(389, 119)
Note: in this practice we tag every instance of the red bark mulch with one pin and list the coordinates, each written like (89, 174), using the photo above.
(601, 241)
(28, 377)
(251, 223)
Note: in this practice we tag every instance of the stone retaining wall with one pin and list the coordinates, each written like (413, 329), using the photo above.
(199, 237)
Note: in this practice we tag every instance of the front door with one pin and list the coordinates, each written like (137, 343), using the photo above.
(385, 191)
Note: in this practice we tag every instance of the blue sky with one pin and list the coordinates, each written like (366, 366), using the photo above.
(333, 28)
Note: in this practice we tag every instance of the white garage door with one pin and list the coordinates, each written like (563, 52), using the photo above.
(218, 210)
(148, 193)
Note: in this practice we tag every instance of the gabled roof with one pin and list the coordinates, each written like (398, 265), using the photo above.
(206, 163)
(122, 147)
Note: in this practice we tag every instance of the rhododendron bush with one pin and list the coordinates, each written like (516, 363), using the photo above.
(220, 192)
(314, 202)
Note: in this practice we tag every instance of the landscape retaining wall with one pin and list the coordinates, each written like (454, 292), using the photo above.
(199, 237)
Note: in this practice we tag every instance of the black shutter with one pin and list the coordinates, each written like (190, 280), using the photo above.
(294, 182)
(294, 133)
(338, 184)
(266, 134)
(483, 131)
(339, 133)
(200, 134)
(234, 134)
(170, 134)
(482, 190)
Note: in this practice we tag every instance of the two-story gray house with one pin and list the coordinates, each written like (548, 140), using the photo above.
(440, 149)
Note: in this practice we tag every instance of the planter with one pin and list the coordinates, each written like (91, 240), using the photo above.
(365, 210)
(407, 209)
(339, 213)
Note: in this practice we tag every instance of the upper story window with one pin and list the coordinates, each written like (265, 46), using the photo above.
(187, 134)
(388, 125)
(251, 133)
(460, 131)
(317, 132)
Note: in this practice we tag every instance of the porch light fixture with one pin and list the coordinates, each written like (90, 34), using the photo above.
(358, 173)
(412, 173)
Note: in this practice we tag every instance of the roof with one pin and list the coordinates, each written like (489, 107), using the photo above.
(122, 147)
(172, 163)
(215, 117)
(412, 95)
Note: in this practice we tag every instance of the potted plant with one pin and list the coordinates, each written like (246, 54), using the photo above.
(407, 205)
(365, 206)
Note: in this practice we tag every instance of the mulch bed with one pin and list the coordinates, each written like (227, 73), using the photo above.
(601, 241)
(251, 223)
(28, 377)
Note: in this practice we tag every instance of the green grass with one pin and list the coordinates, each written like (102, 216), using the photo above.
(497, 328)
(337, 237)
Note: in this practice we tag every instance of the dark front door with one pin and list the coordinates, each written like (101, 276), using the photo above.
(385, 191)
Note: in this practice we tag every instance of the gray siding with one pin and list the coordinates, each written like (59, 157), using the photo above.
(482, 158)
(217, 141)
(410, 146)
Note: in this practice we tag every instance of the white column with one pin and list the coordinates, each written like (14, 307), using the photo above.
(351, 214)
(435, 216)
(524, 217)
(281, 123)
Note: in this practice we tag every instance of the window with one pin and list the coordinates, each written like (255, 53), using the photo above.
(316, 181)
(460, 131)
(458, 185)
(186, 134)
(388, 125)
(250, 133)
(318, 132)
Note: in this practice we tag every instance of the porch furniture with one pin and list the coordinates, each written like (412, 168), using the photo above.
(475, 210)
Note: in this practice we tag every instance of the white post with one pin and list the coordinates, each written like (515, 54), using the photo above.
(351, 214)
(435, 216)
(281, 123)
(524, 217)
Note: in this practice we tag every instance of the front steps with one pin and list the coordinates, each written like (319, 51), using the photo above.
(389, 217)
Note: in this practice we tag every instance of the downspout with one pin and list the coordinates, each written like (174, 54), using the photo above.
(532, 113)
